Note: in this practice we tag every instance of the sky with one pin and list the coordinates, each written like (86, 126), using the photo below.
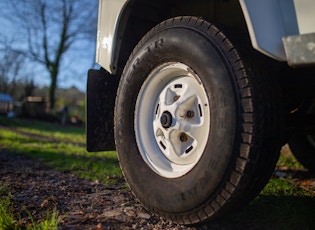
(78, 60)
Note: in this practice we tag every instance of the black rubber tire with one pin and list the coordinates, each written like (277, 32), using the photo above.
(303, 148)
(243, 143)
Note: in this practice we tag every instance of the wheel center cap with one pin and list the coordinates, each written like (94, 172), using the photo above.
(166, 119)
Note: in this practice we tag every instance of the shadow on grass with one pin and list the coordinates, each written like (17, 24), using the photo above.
(100, 166)
(103, 168)
(270, 212)
(63, 153)
(40, 125)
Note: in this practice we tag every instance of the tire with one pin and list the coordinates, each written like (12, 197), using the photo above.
(303, 148)
(196, 130)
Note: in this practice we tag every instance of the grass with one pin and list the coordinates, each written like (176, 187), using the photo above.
(9, 221)
(62, 148)
(282, 204)
(50, 223)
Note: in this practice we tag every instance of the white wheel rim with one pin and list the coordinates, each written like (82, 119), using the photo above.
(172, 120)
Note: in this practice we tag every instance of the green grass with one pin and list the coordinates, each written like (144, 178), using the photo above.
(62, 148)
(9, 221)
(44, 129)
(281, 205)
(287, 160)
(50, 223)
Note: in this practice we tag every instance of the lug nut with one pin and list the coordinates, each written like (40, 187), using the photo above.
(166, 119)
(183, 137)
(190, 114)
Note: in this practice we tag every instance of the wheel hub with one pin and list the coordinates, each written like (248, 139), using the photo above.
(166, 120)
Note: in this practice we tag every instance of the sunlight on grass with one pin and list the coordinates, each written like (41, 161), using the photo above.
(64, 151)
(7, 220)
(287, 159)
(50, 223)
(46, 130)
(281, 187)
(58, 135)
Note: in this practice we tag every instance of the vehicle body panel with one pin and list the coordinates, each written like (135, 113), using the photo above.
(270, 24)
(275, 25)
(305, 15)
(267, 25)
(108, 21)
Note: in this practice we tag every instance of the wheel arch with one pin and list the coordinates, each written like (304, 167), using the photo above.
(139, 16)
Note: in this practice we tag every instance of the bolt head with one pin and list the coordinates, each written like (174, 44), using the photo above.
(190, 114)
(166, 119)
(183, 137)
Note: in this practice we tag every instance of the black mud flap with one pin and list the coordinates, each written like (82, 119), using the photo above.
(100, 102)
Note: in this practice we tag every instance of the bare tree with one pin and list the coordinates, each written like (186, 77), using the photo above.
(51, 29)
(14, 78)
(10, 69)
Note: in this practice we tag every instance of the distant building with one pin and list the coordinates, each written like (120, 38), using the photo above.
(6, 103)
(36, 107)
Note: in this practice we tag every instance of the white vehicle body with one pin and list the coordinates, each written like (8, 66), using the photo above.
(109, 12)
(276, 27)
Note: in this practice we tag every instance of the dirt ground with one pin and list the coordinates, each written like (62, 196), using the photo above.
(37, 190)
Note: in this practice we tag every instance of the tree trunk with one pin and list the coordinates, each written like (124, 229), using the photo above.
(52, 88)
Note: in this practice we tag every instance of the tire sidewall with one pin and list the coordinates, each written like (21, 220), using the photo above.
(209, 61)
